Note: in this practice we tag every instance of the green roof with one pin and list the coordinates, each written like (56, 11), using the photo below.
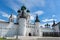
(18, 11)
(23, 8)
(28, 11)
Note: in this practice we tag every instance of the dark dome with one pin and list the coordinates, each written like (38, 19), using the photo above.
(18, 11)
(28, 11)
(23, 8)
(37, 20)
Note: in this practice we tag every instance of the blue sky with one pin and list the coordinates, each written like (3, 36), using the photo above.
(48, 10)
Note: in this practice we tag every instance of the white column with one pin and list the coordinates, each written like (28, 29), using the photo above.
(22, 26)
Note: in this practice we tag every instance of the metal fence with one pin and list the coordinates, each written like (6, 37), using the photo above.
(51, 34)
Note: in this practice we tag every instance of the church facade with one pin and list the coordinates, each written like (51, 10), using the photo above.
(22, 27)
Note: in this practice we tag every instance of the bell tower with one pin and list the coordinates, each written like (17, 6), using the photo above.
(37, 25)
(53, 25)
(11, 18)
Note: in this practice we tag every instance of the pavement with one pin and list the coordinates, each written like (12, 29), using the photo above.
(36, 38)
(39, 38)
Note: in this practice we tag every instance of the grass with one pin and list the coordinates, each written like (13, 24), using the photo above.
(4, 39)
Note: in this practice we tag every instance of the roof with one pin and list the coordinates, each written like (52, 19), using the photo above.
(28, 11)
(37, 20)
(7, 22)
(57, 23)
(53, 23)
(19, 11)
(3, 22)
(23, 8)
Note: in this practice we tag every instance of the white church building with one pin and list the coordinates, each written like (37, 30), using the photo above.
(23, 27)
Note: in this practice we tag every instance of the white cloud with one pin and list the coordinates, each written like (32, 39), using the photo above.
(32, 17)
(39, 12)
(7, 15)
(15, 4)
(4, 14)
(2, 20)
(28, 3)
(48, 20)
(15, 16)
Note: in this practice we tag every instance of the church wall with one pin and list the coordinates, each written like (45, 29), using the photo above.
(57, 28)
(12, 31)
(6, 29)
(29, 30)
(3, 26)
(46, 29)
(41, 30)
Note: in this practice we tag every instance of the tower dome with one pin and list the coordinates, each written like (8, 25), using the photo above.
(11, 18)
(18, 11)
(23, 8)
(37, 20)
(53, 23)
(27, 11)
